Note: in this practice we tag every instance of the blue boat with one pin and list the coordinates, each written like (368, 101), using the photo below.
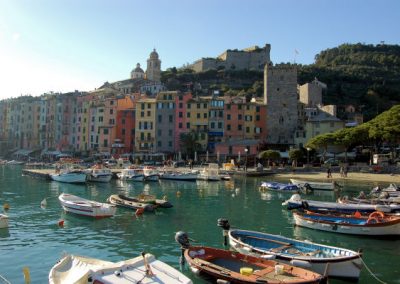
(327, 260)
(277, 186)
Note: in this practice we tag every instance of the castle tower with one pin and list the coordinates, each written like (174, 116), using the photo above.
(137, 73)
(153, 71)
(280, 96)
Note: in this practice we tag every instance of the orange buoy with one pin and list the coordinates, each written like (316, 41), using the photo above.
(6, 206)
(139, 211)
(178, 193)
(61, 223)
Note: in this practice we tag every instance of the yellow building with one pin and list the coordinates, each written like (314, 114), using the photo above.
(197, 119)
(145, 130)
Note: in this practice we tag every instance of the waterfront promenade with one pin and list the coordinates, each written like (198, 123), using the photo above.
(309, 174)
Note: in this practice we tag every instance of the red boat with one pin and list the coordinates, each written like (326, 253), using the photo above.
(235, 267)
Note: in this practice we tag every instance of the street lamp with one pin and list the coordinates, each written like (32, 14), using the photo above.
(245, 163)
(308, 155)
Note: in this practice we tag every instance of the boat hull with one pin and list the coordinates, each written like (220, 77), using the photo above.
(100, 178)
(225, 265)
(69, 177)
(78, 269)
(3, 221)
(76, 205)
(131, 203)
(179, 176)
(343, 226)
(314, 185)
(342, 263)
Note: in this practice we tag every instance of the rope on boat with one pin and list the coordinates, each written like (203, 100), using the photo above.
(369, 270)
(4, 279)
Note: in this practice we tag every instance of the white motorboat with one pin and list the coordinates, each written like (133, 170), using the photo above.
(151, 174)
(211, 173)
(99, 175)
(69, 175)
(177, 175)
(81, 206)
(131, 174)
(142, 269)
(331, 261)
(315, 185)
(3, 221)
(14, 162)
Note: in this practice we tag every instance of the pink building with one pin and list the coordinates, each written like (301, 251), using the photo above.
(180, 117)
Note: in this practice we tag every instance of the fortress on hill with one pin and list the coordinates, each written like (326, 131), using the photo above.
(251, 58)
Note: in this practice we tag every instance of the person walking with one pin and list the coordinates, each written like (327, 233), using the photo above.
(341, 171)
(329, 173)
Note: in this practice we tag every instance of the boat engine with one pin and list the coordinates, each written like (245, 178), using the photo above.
(224, 224)
(183, 239)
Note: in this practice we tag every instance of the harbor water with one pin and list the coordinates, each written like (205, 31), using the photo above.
(35, 240)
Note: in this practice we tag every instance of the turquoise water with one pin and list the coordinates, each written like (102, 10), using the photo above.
(35, 240)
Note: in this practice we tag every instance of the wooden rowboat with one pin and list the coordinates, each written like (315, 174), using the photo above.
(130, 202)
(240, 268)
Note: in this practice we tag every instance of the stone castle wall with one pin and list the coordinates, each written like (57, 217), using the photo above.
(253, 58)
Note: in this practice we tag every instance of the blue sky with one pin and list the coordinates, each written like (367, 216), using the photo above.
(64, 45)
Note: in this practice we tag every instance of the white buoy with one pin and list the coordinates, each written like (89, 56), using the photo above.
(43, 203)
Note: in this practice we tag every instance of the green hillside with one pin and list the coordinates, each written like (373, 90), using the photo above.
(367, 76)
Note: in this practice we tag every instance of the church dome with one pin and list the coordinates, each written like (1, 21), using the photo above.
(154, 54)
(138, 69)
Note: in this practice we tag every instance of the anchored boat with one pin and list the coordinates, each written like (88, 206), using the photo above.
(376, 224)
(81, 206)
(130, 202)
(235, 267)
(142, 269)
(331, 261)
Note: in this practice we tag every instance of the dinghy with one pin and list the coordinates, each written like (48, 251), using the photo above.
(130, 202)
(277, 186)
(234, 267)
(376, 224)
(296, 202)
(315, 185)
(332, 261)
(81, 206)
(142, 269)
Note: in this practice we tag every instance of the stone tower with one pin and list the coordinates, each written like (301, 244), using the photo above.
(153, 71)
(280, 96)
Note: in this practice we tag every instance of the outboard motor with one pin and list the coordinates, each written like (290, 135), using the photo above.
(183, 239)
(224, 224)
